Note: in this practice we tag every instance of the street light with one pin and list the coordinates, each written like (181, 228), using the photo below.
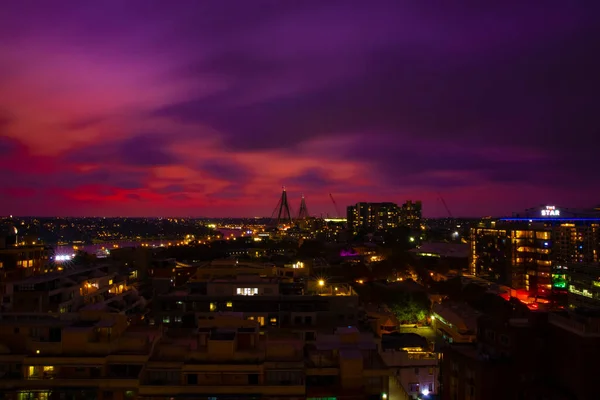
(321, 282)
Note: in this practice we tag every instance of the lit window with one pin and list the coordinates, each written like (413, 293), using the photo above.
(229, 304)
(166, 320)
(213, 306)
(247, 291)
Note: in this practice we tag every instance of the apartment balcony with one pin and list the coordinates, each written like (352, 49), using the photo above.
(168, 390)
(65, 382)
(44, 348)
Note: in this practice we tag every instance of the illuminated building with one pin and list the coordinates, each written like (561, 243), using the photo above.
(413, 364)
(373, 216)
(101, 356)
(583, 285)
(272, 301)
(21, 256)
(410, 214)
(73, 290)
(530, 250)
(95, 356)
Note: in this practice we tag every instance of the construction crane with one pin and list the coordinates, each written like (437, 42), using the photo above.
(337, 209)
(445, 205)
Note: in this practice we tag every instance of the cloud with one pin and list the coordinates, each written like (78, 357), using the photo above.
(314, 178)
(227, 170)
(171, 189)
(8, 146)
(382, 100)
(146, 150)
(141, 150)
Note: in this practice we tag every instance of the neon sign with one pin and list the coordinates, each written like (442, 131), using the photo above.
(551, 211)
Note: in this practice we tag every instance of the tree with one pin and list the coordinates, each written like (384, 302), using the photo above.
(410, 308)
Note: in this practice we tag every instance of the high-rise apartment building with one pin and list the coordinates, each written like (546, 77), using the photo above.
(373, 216)
(410, 214)
(531, 250)
(583, 285)
(381, 216)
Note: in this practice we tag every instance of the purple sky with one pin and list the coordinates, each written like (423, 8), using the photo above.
(209, 107)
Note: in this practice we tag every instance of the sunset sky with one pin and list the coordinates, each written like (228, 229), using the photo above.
(207, 108)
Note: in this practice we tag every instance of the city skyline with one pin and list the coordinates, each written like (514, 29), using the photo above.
(208, 109)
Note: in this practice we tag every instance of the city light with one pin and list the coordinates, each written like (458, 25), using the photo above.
(321, 282)
(63, 257)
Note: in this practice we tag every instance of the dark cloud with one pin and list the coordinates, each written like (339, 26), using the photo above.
(146, 151)
(228, 170)
(170, 189)
(230, 192)
(451, 96)
(143, 150)
(84, 123)
(314, 178)
(180, 197)
(530, 89)
(8, 146)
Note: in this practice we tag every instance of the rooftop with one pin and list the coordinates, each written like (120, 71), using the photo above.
(461, 315)
(451, 250)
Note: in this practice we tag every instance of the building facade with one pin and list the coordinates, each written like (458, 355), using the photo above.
(382, 216)
(102, 356)
(531, 250)
(583, 285)
(411, 214)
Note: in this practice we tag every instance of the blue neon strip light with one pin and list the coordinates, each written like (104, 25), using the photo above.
(549, 219)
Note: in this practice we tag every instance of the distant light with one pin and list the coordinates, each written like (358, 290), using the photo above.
(412, 239)
(384, 396)
(425, 392)
(321, 282)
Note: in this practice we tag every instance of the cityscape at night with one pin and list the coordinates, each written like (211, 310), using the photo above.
(299, 200)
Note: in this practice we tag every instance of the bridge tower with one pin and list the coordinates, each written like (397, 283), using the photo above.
(303, 213)
(282, 214)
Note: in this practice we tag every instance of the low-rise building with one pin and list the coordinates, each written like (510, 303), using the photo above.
(95, 356)
(346, 365)
(273, 302)
(455, 322)
(413, 364)
(71, 290)
(102, 356)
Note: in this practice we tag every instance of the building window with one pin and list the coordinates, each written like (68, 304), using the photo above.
(430, 371)
(166, 320)
(229, 304)
(247, 291)
(213, 307)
